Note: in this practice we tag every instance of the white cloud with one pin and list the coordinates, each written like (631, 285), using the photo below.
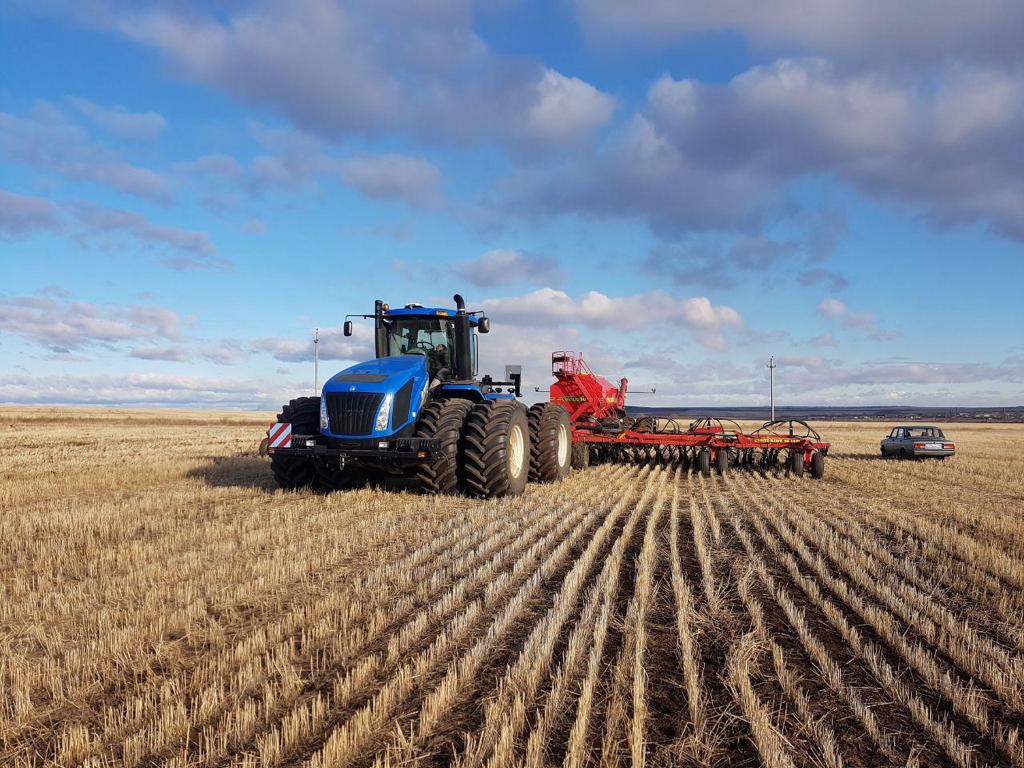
(547, 306)
(831, 308)
(213, 165)
(566, 108)
(834, 309)
(51, 319)
(146, 389)
(23, 215)
(183, 249)
(107, 228)
(393, 177)
(371, 67)
(503, 266)
(119, 121)
(866, 30)
(167, 354)
(334, 345)
(47, 139)
(825, 340)
(722, 156)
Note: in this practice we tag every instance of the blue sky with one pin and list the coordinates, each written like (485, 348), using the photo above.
(678, 190)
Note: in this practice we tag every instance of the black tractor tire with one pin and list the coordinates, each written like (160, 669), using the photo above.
(550, 442)
(817, 465)
(703, 464)
(721, 461)
(443, 420)
(580, 456)
(497, 436)
(294, 472)
(796, 464)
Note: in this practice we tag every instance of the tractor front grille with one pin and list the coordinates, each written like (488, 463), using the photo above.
(352, 413)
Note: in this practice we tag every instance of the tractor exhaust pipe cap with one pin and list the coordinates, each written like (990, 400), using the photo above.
(460, 304)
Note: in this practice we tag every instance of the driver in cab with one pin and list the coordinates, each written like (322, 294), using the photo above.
(439, 361)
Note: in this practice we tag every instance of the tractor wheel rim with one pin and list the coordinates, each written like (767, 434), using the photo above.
(515, 451)
(563, 445)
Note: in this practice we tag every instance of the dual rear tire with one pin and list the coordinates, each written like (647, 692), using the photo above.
(551, 449)
(494, 447)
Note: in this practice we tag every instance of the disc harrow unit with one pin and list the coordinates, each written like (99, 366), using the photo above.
(602, 432)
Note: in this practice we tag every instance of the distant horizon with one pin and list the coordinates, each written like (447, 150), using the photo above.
(629, 408)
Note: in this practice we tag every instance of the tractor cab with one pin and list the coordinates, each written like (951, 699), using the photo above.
(427, 332)
(445, 338)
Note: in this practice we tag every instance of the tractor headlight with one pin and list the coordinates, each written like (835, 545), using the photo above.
(325, 423)
(383, 414)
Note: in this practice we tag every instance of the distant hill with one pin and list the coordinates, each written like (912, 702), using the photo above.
(845, 413)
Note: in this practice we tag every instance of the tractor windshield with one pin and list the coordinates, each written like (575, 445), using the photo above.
(431, 337)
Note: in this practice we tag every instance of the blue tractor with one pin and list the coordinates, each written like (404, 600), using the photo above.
(419, 411)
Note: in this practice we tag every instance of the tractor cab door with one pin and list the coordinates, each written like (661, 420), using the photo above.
(429, 336)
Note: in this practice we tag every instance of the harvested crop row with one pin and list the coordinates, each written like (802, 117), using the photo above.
(185, 614)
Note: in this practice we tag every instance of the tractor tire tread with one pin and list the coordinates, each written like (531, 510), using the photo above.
(580, 456)
(544, 420)
(294, 472)
(485, 448)
(443, 420)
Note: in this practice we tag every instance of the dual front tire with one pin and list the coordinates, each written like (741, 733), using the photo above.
(296, 472)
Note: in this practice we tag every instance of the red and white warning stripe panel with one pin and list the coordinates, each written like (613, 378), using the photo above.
(280, 435)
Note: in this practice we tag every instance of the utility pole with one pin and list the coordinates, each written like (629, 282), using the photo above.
(771, 383)
(316, 362)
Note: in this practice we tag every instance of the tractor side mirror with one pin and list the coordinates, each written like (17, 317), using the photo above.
(348, 327)
(483, 325)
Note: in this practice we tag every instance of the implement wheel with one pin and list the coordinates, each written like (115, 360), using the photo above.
(721, 461)
(796, 463)
(703, 464)
(496, 449)
(294, 472)
(817, 465)
(550, 442)
(580, 456)
(443, 420)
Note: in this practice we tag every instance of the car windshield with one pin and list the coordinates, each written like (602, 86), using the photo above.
(431, 337)
(924, 432)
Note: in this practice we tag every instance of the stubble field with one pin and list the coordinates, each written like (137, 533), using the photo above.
(162, 604)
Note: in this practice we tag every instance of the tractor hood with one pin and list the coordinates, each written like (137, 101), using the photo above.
(378, 398)
(385, 374)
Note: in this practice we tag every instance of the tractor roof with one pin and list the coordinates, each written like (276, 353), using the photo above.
(425, 312)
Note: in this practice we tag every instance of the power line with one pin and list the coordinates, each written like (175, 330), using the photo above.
(771, 379)
(316, 362)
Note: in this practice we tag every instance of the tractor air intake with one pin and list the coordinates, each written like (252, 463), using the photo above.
(352, 413)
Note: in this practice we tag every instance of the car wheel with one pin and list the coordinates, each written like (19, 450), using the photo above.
(903, 453)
